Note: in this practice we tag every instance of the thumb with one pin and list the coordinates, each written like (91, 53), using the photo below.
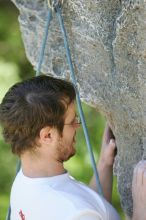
(112, 146)
(112, 143)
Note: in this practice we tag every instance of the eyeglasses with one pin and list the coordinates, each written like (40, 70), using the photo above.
(76, 121)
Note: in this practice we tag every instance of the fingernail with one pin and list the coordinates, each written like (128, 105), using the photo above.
(112, 141)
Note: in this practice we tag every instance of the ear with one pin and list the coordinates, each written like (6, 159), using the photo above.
(46, 135)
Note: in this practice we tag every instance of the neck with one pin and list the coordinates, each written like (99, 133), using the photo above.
(35, 167)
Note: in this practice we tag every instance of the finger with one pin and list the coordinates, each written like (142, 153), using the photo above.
(144, 178)
(135, 172)
(115, 150)
(112, 145)
(112, 148)
(139, 172)
(134, 180)
(109, 134)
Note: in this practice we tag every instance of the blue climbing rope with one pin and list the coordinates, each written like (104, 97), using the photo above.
(49, 17)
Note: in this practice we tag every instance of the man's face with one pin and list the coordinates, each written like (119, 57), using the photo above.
(66, 145)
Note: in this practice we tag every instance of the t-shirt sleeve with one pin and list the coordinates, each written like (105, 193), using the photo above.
(87, 215)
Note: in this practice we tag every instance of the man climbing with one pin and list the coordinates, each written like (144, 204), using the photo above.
(39, 121)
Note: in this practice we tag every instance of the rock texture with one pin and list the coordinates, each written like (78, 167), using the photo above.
(108, 44)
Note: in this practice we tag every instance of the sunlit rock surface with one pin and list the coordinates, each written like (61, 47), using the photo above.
(108, 45)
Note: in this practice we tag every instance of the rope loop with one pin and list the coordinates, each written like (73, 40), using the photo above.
(54, 4)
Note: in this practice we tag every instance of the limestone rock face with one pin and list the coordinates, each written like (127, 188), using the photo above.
(108, 45)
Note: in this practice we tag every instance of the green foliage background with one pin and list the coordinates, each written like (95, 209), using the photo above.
(14, 67)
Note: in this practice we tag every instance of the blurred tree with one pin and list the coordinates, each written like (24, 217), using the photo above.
(12, 50)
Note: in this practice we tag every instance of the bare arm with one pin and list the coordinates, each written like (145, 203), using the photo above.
(139, 191)
(105, 164)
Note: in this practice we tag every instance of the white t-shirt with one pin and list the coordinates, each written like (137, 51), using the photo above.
(57, 198)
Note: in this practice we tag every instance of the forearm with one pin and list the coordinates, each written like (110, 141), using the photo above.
(105, 164)
(139, 191)
(106, 180)
(139, 208)
(139, 216)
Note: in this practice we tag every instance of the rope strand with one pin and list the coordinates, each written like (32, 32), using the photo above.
(42, 51)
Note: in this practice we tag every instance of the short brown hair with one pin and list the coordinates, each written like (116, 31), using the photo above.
(30, 105)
